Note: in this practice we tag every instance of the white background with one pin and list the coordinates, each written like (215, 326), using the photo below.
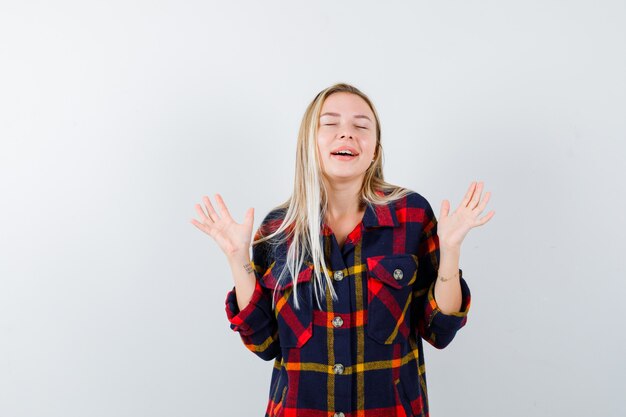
(116, 117)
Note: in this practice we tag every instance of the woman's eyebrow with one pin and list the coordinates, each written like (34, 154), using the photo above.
(356, 116)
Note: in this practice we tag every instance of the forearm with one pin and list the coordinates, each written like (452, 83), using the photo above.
(244, 278)
(448, 292)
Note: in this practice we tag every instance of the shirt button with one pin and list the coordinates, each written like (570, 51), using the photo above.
(337, 321)
(397, 274)
(339, 414)
(338, 275)
(338, 368)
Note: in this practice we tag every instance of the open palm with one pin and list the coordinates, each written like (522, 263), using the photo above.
(453, 228)
(232, 237)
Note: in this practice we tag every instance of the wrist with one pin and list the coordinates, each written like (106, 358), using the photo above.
(451, 249)
(239, 258)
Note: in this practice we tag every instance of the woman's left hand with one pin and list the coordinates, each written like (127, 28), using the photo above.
(453, 228)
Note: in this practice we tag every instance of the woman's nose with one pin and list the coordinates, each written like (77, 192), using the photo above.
(347, 133)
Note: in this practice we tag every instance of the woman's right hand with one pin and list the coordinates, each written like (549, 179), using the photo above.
(233, 238)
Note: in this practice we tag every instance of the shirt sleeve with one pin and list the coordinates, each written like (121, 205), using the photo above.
(433, 325)
(256, 323)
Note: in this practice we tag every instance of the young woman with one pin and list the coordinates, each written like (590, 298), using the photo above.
(348, 275)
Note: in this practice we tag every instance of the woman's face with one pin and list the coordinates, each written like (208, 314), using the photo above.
(346, 122)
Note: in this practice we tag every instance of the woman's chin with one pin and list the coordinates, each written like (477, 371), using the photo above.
(344, 175)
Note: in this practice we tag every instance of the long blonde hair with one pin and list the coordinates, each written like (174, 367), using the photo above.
(305, 209)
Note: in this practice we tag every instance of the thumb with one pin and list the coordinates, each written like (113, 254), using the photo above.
(249, 219)
(445, 208)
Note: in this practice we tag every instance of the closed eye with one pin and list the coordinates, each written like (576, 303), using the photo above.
(333, 124)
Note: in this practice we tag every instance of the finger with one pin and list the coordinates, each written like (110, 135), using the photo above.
(223, 209)
(202, 214)
(212, 213)
(479, 209)
(200, 226)
(468, 194)
(249, 219)
(445, 209)
(476, 197)
(486, 218)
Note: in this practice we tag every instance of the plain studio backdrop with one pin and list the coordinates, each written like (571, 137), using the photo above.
(117, 117)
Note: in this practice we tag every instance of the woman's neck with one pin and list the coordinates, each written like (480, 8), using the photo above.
(343, 200)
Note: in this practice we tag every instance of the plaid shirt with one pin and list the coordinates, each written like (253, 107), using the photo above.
(360, 356)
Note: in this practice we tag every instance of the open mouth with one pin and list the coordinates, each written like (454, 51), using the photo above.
(344, 155)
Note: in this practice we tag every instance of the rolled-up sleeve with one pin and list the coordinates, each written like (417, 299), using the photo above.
(254, 316)
(442, 327)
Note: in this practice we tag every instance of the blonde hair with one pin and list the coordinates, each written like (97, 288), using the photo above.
(305, 209)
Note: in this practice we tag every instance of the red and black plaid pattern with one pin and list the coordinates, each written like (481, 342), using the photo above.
(360, 355)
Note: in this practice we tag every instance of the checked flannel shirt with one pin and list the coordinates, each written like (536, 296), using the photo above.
(360, 356)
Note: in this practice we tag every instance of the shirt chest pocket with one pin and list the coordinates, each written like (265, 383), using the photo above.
(295, 325)
(389, 296)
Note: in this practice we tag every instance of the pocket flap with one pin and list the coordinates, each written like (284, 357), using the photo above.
(270, 278)
(397, 271)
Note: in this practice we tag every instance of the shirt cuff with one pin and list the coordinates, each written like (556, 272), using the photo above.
(452, 321)
(252, 316)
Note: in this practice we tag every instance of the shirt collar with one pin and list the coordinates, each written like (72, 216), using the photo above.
(380, 215)
(383, 215)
